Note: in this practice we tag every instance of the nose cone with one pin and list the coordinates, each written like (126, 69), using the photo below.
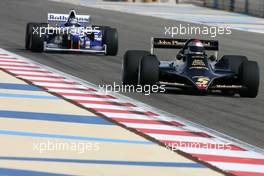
(202, 82)
(199, 71)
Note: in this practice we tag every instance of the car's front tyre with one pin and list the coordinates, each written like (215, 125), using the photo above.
(131, 61)
(111, 41)
(37, 37)
(149, 70)
(29, 30)
(249, 78)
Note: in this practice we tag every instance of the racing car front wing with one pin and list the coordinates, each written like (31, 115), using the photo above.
(103, 51)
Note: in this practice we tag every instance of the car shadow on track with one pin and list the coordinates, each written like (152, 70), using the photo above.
(196, 93)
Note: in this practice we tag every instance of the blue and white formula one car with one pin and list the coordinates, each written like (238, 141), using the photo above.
(73, 33)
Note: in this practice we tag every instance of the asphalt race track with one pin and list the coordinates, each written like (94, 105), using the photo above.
(242, 118)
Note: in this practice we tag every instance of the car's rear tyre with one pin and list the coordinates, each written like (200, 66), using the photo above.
(149, 70)
(36, 41)
(103, 28)
(111, 41)
(29, 30)
(231, 62)
(249, 77)
(130, 66)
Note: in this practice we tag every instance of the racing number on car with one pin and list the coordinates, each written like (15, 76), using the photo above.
(202, 82)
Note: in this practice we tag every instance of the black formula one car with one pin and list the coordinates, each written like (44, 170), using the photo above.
(192, 69)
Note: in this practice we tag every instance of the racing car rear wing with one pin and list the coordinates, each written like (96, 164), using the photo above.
(56, 17)
(172, 43)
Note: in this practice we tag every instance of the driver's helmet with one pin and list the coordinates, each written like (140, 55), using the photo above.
(195, 47)
(72, 22)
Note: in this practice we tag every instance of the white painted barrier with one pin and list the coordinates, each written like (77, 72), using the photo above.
(251, 7)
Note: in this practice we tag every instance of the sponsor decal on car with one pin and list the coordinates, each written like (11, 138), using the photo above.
(198, 64)
(170, 42)
(64, 17)
(202, 82)
(229, 86)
